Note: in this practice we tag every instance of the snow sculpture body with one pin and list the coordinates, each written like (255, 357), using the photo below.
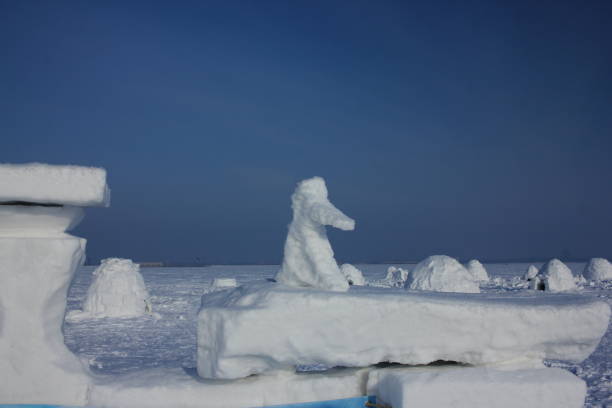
(309, 260)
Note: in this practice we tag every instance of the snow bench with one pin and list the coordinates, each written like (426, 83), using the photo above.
(267, 326)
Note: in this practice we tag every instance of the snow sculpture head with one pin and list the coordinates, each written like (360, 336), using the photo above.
(309, 260)
(441, 273)
(118, 290)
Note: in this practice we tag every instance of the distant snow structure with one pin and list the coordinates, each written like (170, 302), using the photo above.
(224, 283)
(309, 259)
(118, 290)
(396, 276)
(554, 276)
(441, 273)
(598, 269)
(531, 273)
(352, 275)
(477, 270)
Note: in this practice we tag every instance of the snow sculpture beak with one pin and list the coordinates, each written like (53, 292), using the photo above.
(327, 214)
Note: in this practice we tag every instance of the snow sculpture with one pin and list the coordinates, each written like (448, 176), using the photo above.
(39, 203)
(396, 276)
(598, 269)
(441, 273)
(353, 275)
(554, 276)
(309, 259)
(118, 290)
(477, 270)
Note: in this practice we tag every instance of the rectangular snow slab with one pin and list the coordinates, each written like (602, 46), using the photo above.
(163, 388)
(477, 387)
(268, 326)
(50, 184)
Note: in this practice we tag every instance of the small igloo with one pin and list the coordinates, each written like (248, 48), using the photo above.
(352, 275)
(598, 269)
(117, 290)
(441, 273)
(554, 276)
(477, 270)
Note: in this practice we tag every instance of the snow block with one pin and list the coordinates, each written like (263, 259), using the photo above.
(35, 365)
(51, 184)
(266, 326)
(477, 387)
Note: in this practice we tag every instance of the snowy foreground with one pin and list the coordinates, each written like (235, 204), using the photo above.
(162, 345)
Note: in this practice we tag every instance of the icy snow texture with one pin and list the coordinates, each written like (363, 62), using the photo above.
(35, 365)
(176, 388)
(261, 327)
(309, 260)
(477, 270)
(118, 290)
(353, 275)
(477, 387)
(441, 273)
(555, 276)
(598, 269)
(51, 184)
(531, 272)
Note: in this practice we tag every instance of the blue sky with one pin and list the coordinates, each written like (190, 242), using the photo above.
(474, 129)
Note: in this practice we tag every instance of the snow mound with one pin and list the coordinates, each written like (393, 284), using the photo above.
(477, 270)
(554, 276)
(598, 269)
(224, 283)
(531, 272)
(52, 184)
(309, 260)
(477, 387)
(396, 276)
(441, 273)
(266, 326)
(352, 275)
(118, 290)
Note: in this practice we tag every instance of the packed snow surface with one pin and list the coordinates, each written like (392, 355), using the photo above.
(308, 259)
(266, 326)
(352, 275)
(477, 387)
(441, 273)
(477, 270)
(598, 269)
(118, 290)
(38, 221)
(555, 276)
(52, 184)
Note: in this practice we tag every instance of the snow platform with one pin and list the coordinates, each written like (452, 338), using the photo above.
(477, 387)
(50, 184)
(266, 326)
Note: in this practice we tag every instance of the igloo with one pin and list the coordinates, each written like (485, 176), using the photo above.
(309, 259)
(441, 273)
(554, 276)
(598, 269)
(117, 290)
(352, 275)
(477, 270)
(39, 203)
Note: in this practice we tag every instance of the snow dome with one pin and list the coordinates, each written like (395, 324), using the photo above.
(352, 275)
(118, 290)
(554, 276)
(441, 273)
(598, 269)
(477, 270)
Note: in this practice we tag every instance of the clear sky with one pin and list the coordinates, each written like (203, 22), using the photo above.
(473, 129)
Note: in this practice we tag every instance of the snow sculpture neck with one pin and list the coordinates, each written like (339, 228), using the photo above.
(309, 259)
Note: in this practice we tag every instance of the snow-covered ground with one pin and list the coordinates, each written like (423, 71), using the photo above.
(167, 338)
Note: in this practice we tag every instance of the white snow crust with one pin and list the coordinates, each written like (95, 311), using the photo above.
(118, 290)
(262, 327)
(309, 259)
(352, 275)
(52, 184)
(555, 277)
(477, 270)
(598, 269)
(477, 387)
(441, 273)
